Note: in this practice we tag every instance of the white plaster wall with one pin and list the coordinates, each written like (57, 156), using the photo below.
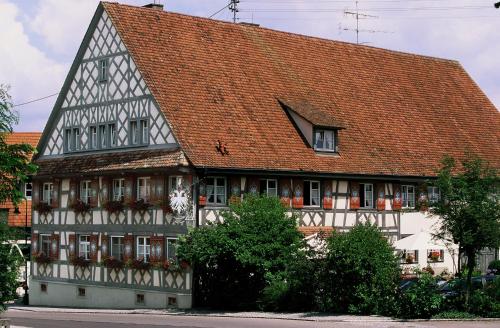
(414, 222)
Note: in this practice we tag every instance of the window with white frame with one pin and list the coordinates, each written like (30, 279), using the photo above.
(433, 194)
(324, 140)
(408, 194)
(143, 188)
(435, 255)
(93, 137)
(103, 136)
(84, 246)
(134, 133)
(116, 250)
(269, 187)
(112, 134)
(85, 191)
(171, 250)
(28, 190)
(174, 183)
(311, 193)
(68, 140)
(45, 244)
(144, 132)
(216, 191)
(409, 256)
(118, 189)
(47, 189)
(143, 248)
(366, 195)
(103, 70)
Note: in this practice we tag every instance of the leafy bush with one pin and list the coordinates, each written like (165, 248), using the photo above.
(361, 272)
(454, 315)
(494, 267)
(481, 304)
(420, 300)
(9, 265)
(243, 263)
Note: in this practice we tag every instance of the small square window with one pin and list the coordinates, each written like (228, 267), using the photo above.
(43, 287)
(172, 301)
(324, 140)
(81, 292)
(139, 299)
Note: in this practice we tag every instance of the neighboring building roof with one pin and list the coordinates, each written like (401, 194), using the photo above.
(111, 162)
(222, 81)
(30, 138)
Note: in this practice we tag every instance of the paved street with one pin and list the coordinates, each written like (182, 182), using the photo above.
(120, 320)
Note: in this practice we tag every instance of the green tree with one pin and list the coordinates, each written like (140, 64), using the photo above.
(469, 208)
(10, 260)
(235, 261)
(362, 272)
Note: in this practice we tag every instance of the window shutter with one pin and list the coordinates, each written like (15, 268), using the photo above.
(128, 247)
(94, 243)
(202, 197)
(104, 247)
(397, 199)
(381, 196)
(285, 191)
(157, 246)
(73, 191)
(55, 194)
(34, 243)
(253, 185)
(35, 195)
(54, 247)
(235, 190)
(129, 190)
(94, 192)
(72, 246)
(298, 193)
(327, 195)
(106, 190)
(423, 203)
(354, 200)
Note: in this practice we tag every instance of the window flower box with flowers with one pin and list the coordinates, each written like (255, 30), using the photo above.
(42, 208)
(114, 207)
(409, 257)
(139, 205)
(80, 261)
(113, 263)
(164, 204)
(80, 207)
(138, 264)
(434, 256)
(42, 258)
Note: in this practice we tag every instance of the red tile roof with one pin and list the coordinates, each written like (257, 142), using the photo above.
(221, 81)
(323, 231)
(30, 138)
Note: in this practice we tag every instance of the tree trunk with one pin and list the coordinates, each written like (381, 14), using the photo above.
(471, 264)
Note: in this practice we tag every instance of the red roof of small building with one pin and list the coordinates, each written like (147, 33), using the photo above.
(222, 81)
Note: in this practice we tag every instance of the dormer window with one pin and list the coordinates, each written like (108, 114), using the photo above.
(324, 140)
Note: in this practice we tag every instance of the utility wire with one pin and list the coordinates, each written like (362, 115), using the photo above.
(218, 11)
(35, 100)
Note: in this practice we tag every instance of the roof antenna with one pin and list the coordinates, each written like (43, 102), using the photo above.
(358, 16)
(233, 6)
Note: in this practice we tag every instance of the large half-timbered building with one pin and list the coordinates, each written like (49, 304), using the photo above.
(165, 119)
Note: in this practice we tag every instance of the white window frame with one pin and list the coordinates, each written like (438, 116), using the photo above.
(216, 193)
(324, 132)
(120, 257)
(103, 137)
(26, 190)
(118, 189)
(311, 182)
(49, 243)
(167, 247)
(408, 202)
(144, 131)
(134, 132)
(431, 191)
(112, 134)
(93, 137)
(143, 248)
(268, 191)
(144, 188)
(47, 190)
(85, 191)
(368, 202)
(84, 246)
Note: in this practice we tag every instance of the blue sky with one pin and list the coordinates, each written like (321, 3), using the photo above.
(40, 37)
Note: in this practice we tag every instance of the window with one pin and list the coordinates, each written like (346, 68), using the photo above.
(48, 187)
(143, 248)
(324, 140)
(81, 292)
(143, 189)
(144, 132)
(118, 188)
(112, 134)
(408, 196)
(172, 301)
(409, 256)
(216, 191)
(72, 140)
(85, 191)
(76, 139)
(174, 183)
(45, 244)
(28, 190)
(269, 187)
(93, 137)
(433, 194)
(311, 193)
(84, 246)
(117, 247)
(43, 287)
(103, 70)
(435, 255)
(171, 251)
(139, 299)
(68, 140)
(102, 136)
(134, 132)
(366, 195)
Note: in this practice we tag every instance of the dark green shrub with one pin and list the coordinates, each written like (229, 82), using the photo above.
(454, 315)
(494, 266)
(481, 304)
(361, 272)
(421, 300)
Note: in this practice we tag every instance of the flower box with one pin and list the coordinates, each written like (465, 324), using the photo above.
(42, 258)
(80, 261)
(139, 264)
(114, 206)
(80, 207)
(42, 208)
(113, 263)
(139, 205)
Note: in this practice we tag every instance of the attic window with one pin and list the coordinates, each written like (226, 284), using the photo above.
(103, 70)
(325, 140)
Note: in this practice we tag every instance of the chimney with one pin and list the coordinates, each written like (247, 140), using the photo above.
(155, 6)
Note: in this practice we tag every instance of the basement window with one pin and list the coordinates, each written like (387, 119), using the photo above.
(81, 292)
(140, 299)
(43, 287)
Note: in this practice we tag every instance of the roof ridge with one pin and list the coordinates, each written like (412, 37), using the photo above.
(299, 35)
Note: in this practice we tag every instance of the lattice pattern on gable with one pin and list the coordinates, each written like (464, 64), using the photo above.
(105, 39)
(160, 132)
